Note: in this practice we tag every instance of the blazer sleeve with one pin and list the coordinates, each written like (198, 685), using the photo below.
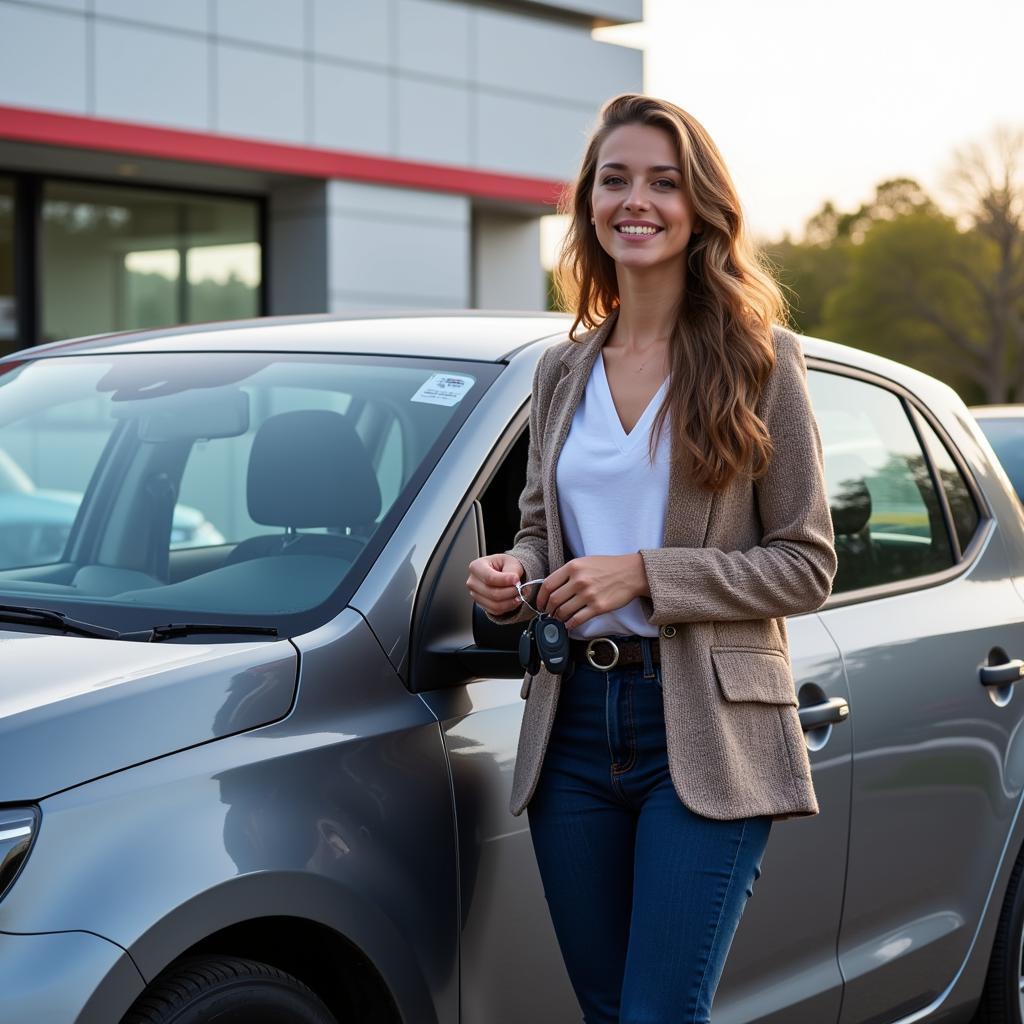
(792, 569)
(530, 544)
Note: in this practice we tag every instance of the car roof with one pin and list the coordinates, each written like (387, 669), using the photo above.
(464, 334)
(482, 335)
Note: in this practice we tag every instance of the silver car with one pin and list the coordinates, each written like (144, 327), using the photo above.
(268, 778)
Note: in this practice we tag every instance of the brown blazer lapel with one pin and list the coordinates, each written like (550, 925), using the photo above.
(689, 507)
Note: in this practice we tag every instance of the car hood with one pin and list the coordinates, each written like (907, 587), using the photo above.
(74, 708)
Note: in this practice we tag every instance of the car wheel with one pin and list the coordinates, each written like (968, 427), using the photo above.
(1002, 999)
(230, 990)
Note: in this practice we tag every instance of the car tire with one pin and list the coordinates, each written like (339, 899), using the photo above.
(229, 989)
(1002, 996)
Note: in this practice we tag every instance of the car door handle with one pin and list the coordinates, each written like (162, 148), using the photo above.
(1005, 674)
(826, 712)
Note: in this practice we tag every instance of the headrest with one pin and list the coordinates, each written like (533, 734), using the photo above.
(309, 468)
(849, 497)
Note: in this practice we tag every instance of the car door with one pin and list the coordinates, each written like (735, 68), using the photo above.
(773, 975)
(921, 603)
(511, 968)
(782, 967)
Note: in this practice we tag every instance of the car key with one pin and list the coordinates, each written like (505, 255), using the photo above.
(553, 642)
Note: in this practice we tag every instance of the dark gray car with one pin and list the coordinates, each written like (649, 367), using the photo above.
(271, 775)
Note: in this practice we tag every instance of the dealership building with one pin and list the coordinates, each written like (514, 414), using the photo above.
(204, 159)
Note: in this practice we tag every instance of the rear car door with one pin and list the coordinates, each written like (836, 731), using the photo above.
(921, 603)
(782, 967)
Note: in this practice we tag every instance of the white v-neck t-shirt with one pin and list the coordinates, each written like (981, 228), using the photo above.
(611, 500)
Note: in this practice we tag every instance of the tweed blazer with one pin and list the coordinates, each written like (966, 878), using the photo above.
(731, 566)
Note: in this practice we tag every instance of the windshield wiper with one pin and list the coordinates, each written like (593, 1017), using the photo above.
(58, 620)
(155, 634)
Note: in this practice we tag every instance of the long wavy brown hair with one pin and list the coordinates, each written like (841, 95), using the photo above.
(721, 347)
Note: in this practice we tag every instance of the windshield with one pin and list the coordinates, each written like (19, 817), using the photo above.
(146, 488)
(1007, 439)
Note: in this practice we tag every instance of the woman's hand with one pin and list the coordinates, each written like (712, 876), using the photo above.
(589, 586)
(492, 582)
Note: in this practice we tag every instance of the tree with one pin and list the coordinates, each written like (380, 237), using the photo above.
(813, 269)
(901, 277)
(907, 299)
(808, 273)
(988, 181)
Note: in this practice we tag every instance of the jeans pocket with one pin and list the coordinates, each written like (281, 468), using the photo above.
(657, 676)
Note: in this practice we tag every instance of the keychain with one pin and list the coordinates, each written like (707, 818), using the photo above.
(544, 639)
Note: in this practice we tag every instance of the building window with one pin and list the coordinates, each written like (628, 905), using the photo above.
(8, 313)
(114, 259)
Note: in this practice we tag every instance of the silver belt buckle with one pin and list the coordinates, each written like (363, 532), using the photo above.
(590, 653)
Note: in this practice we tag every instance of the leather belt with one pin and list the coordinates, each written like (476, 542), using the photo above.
(600, 651)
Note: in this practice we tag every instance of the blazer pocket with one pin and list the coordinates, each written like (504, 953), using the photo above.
(754, 674)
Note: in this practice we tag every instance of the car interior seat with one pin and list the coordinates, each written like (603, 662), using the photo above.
(308, 469)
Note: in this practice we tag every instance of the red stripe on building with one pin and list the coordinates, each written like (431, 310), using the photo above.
(131, 139)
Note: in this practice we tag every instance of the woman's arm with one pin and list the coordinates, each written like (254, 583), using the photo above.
(791, 571)
(530, 544)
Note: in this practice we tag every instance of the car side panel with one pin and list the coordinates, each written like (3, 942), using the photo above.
(338, 814)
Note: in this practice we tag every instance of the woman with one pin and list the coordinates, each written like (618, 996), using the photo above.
(655, 765)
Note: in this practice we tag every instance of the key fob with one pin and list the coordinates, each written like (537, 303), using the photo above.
(552, 642)
(529, 656)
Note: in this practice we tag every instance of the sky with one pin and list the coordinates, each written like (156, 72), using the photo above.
(811, 100)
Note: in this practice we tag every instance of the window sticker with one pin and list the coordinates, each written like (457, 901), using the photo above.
(444, 389)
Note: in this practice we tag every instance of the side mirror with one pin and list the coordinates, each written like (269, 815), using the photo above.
(498, 637)
(453, 640)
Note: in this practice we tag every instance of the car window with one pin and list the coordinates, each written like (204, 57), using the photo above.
(888, 519)
(45, 466)
(962, 506)
(254, 486)
(500, 499)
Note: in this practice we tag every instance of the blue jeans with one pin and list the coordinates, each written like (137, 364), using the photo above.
(645, 895)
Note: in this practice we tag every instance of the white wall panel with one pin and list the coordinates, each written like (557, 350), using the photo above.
(342, 301)
(530, 137)
(352, 108)
(433, 122)
(555, 61)
(260, 94)
(191, 15)
(42, 59)
(269, 22)
(399, 243)
(412, 204)
(427, 261)
(507, 270)
(151, 76)
(434, 37)
(356, 29)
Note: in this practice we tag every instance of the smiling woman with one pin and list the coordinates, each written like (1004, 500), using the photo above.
(653, 776)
